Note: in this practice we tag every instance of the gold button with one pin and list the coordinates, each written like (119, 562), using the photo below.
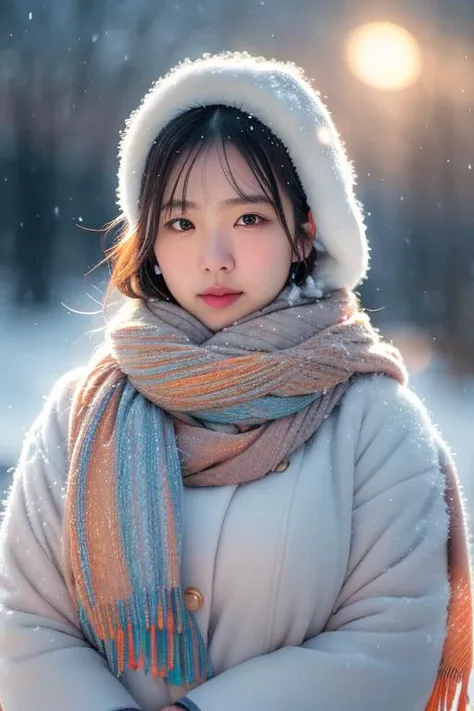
(193, 599)
(282, 467)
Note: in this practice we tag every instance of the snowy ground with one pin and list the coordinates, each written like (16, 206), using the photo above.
(36, 350)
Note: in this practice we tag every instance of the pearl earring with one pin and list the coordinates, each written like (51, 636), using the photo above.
(157, 270)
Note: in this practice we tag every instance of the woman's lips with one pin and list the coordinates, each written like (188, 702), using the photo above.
(220, 301)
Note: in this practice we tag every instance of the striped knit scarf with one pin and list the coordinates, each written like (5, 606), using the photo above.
(168, 403)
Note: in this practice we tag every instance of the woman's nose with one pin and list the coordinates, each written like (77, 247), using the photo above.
(217, 254)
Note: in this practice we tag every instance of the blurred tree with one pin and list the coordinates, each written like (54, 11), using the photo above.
(31, 163)
(68, 68)
(442, 213)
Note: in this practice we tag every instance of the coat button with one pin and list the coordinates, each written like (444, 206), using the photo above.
(193, 599)
(282, 467)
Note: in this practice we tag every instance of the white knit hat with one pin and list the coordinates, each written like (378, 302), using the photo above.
(279, 95)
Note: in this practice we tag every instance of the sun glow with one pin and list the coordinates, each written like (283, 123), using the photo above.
(384, 55)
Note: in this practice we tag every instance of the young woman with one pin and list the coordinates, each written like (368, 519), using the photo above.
(237, 504)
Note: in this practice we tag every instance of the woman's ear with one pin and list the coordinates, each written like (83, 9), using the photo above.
(306, 244)
(308, 240)
(312, 225)
(310, 229)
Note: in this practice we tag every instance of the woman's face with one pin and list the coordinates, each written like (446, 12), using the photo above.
(221, 243)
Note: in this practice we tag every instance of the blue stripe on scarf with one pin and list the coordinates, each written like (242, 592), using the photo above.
(261, 410)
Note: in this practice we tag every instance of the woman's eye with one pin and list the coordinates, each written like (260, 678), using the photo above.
(181, 224)
(251, 220)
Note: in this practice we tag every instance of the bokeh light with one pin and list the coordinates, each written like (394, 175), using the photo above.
(384, 55)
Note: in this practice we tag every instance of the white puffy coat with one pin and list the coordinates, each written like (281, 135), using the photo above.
(320, 587)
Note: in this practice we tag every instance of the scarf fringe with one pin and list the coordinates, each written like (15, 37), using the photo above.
(451, 687)
(160, 638)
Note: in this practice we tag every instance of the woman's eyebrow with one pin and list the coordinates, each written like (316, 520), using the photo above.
(179, 205)
(189, 205)
(248, 199)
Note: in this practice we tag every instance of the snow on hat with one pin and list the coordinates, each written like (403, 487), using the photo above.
(279, 95)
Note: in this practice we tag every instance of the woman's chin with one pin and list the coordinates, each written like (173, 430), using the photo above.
(217, 319)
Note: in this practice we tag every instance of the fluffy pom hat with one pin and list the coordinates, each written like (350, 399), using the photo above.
(279, 95)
